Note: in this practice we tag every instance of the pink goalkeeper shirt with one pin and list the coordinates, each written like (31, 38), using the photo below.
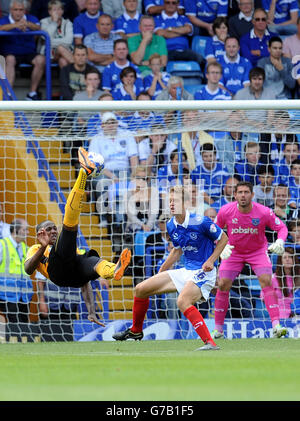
(246, 231)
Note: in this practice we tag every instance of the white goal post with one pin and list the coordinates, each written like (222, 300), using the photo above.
(38, 139)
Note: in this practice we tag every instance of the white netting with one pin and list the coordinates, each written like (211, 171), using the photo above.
(39, 145)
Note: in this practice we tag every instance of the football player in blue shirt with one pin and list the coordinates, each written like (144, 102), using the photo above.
(201, 242)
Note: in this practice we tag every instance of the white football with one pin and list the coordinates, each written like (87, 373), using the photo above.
(98, 160)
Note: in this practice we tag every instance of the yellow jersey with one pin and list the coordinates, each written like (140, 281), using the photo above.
(43, 264)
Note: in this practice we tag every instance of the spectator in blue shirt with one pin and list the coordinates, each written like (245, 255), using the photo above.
(213, 173)
(143, 120)
(228, 194)
(155, 7)
(215, 46)
(254, 44)
(212, 91)
(291, 152)
(203, 13)
(282, 16)
(100, 44)
(175, 29)
(235, 68)
(294, 182)
(111, 73)
(167, 174)
(127, 25)
(86, 22)
(21, 49)
(129, 88)
(247, 169)
(156, 81)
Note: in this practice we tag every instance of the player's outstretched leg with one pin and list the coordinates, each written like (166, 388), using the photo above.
(157, 284)
(122, 264)
(108, 270)
(140, 307)
(85, 162)
(75, 198)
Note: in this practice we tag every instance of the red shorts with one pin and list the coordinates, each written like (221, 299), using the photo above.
(259, 261)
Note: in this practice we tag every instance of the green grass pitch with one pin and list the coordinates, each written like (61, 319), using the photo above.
(244, 369)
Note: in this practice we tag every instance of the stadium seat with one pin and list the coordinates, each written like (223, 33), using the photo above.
(184, 68)
(140, 240)
(192, 89)
(199, 44)
(190, 71)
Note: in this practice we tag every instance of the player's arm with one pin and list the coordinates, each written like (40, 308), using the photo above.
(171, 259)
(33, 261)
(42, 301)
(209, 264)
(88, 296)
(282, 232)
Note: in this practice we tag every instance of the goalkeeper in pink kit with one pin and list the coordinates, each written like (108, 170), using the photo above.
(246, 222)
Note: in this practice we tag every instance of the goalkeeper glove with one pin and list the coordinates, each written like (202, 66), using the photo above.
(277, 247)
(226, 252)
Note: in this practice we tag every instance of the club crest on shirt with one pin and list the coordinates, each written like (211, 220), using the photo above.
(213, 228)
(175, 236)
(235, 220)
(255, 221)
(193, 236)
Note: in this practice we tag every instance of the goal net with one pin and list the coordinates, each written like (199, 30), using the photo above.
(207, 146)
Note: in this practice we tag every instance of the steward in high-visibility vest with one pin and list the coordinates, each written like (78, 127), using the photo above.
(15, 284)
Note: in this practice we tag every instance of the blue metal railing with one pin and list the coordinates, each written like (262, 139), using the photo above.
(47, 54)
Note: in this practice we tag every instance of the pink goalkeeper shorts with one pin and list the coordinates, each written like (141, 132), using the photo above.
(259, 261)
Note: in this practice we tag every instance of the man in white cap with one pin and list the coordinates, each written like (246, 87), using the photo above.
(119, 150)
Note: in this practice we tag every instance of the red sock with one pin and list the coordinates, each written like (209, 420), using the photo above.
(194, 316)
(140, 307)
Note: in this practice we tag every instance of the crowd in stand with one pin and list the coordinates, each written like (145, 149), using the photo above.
(119, 50)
